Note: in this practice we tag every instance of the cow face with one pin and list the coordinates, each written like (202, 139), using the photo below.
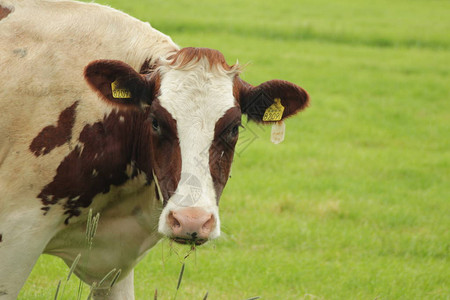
(194, 101)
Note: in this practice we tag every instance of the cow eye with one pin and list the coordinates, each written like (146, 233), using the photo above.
(235, 130)
(155, 125)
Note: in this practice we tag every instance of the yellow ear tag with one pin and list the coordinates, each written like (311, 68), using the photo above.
(119, 93)
(274, 112)
(278, 130)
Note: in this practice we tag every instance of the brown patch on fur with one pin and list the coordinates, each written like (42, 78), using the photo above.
(166, 152)
(1, 237)
(109, 147)
(51, 137)
(191, 54)
(221, 151)
(4, 12)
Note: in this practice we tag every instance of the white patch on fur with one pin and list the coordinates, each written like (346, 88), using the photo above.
(196, 97)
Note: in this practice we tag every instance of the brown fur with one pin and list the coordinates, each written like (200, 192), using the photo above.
(222, 149)
(4, 12)
(51, 137)
(147, 67)
(165, 151)
(191, 54)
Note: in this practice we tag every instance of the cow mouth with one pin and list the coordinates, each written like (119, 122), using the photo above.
(183, 241)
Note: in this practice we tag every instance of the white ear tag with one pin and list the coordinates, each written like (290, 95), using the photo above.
(278, 130)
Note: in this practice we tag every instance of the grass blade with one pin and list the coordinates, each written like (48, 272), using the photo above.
(88, 225)
(106, 276)
(57, 290)
(91, 292)
(74, 265)
(155, 297)
(115, 278)
(95, 225)
(254, 298)
(91, 227)
(72, 269)
(179, 281)
(80, 290)
(206, 296)
(180, 277)
(89, 297)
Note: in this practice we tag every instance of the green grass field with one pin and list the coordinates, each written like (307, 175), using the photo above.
(355, 204)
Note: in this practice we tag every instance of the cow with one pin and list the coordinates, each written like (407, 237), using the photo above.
(103, 114)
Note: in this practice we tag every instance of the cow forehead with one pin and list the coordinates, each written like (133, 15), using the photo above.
(197, 96)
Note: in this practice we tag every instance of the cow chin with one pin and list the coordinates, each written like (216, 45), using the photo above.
(189, 225)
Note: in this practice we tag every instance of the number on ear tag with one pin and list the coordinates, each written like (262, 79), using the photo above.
(118, 92)
(274, 112)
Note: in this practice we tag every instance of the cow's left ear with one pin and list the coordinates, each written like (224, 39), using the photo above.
(119, 84)
(271, 101)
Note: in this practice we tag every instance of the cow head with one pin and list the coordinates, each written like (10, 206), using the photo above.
(194, 101)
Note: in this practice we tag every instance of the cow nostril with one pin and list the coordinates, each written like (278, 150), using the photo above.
(209, 224)
(173, 221)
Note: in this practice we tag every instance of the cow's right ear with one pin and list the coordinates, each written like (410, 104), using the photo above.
(119, 84)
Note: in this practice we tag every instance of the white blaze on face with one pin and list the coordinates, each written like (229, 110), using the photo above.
(196, 98)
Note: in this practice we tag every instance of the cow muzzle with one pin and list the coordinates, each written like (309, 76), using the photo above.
(191, 225)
